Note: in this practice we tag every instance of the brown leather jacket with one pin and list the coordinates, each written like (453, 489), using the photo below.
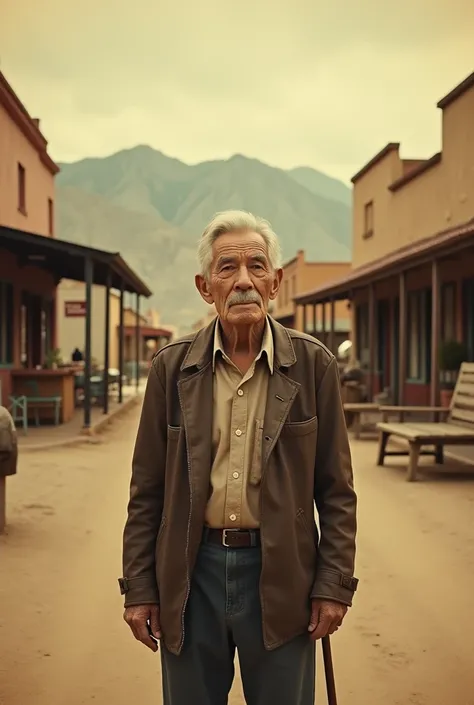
(305, 460)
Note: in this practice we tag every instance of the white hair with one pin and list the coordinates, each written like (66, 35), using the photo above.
(236, 221)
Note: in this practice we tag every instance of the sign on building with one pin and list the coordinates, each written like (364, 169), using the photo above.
(74, 309)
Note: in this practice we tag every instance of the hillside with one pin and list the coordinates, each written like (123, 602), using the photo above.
(152, 209)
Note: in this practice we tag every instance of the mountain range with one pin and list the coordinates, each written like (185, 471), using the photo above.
(152, 208)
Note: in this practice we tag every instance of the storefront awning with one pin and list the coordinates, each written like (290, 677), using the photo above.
(66, 260)
(147, 332)
(417, 253)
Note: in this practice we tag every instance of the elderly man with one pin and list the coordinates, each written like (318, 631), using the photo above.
(242, 432)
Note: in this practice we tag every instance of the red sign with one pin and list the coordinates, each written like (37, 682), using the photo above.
(74, 309)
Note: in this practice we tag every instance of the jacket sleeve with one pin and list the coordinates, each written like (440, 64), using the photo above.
(145, 505)
(334, 495)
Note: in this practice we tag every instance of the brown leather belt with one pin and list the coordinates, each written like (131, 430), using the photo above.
(232, 538)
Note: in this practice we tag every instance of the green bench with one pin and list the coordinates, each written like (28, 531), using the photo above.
(36, 402)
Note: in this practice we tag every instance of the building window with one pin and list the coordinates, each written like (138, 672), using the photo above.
(362, 335)
(419, 331)
(448, 311)
(369, 219)
(50, 217)
(21, 189)
(6, 323)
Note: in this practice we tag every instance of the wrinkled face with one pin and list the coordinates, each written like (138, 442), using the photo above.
(241, 281)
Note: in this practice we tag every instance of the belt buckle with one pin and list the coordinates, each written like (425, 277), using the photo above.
(224, 537)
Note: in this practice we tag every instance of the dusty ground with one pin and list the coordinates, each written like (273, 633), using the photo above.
(409, 639)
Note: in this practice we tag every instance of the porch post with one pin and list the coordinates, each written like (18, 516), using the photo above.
(107, 344)
(402, 337)
(435, 332)
(122, 298)
(315, 320)
(137, 343)
(332, 326)
(323, 323)
(370, 386)
(88, 277)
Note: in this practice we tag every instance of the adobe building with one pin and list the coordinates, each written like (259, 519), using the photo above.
(300, 276)
(33, 262)
(71, 309)
(412, 281)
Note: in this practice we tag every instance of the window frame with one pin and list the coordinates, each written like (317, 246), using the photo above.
(50, 217)
(368, 220)
(7, 323)
(419, 299)
(21, 182)
(448, 289)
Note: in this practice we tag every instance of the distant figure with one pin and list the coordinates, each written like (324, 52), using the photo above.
(77, 356)
(242, 433)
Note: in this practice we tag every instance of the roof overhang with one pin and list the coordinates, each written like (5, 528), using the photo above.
(66, 260)
(442, 244)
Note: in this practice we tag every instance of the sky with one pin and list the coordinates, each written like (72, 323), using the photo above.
(290, 82)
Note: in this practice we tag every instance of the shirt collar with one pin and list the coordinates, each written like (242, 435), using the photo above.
(267, 349)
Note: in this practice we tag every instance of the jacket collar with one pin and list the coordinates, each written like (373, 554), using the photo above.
(200, 351)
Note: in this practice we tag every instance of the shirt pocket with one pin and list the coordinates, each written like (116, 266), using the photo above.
(255, 474)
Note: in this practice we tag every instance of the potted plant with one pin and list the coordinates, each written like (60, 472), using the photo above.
(53, 359)
(452, 354)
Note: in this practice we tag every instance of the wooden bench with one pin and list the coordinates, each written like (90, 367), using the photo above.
(357, 409)
(456, 429)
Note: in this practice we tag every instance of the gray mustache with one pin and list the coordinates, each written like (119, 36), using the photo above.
(244, 297)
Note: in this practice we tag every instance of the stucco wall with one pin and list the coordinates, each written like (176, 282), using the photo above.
(440, 198)
(15, 148)
(71, 330)
(300, 276)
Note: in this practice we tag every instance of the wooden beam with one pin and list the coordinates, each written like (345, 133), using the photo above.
(435, 332)
(332, 315)
(107, 343)
(88, 278)
(370, 385)
(402, 336)
(323, 323)
(315, 320)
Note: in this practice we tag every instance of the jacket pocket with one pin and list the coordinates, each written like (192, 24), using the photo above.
(159, 538)
(300, 428)
(173, 432)
(161, 529)
(301, 517)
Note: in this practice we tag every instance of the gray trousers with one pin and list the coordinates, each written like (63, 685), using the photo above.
(223, 614)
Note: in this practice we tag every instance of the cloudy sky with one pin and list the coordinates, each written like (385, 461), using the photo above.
(291, 82)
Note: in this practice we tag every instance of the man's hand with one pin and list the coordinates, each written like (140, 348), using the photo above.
(326, 618)
(137, 618)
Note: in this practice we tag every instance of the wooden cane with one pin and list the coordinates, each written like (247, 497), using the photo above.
(329, 671)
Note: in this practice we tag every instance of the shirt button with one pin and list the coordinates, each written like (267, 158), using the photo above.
(235, 475)
(232, 517)
(240, 392)
(238, 432)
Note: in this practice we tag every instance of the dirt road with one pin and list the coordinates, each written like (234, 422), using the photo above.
(409, 640)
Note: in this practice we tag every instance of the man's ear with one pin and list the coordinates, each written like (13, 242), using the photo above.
(276, 284)
(203, 288)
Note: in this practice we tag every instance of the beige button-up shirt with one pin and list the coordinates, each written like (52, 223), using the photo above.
(237, 430)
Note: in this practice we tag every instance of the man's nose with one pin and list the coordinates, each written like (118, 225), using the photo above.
(243, 281)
